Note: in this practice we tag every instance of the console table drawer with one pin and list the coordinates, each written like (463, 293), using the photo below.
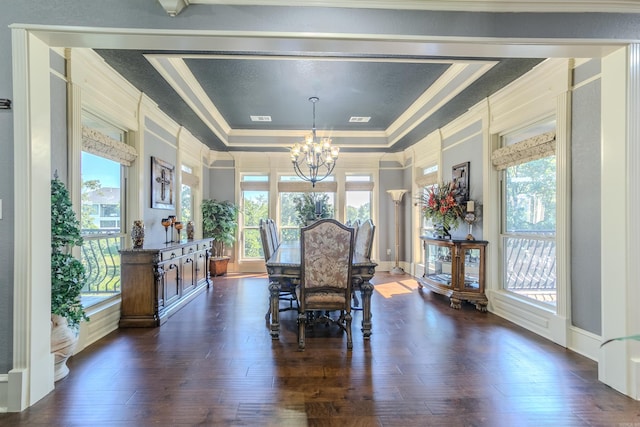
(167, 255)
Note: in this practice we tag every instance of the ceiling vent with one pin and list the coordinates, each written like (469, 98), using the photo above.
(355, 119)
(260, 118)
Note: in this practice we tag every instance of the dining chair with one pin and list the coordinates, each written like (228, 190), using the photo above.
(265, 238)
(326, 253)
(355, 225)
(273, 233)
(287, 289)
(363, 246)
(364, 238)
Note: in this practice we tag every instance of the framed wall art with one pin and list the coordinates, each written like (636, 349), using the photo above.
(460, 178)
(162, 184)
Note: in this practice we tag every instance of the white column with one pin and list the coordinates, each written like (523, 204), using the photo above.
(32, 375)
(561, 322)
(619, 247)
(633, 315)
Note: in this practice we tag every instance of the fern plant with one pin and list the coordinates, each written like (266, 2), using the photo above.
(67, 273)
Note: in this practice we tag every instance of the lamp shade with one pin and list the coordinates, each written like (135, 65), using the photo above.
(396, 195)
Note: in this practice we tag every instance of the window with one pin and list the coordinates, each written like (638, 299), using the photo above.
(255, 206)
(358, 196)
(529, 213)
(190, 184)
(186, 204)
(296, 202)
(110, 224)
(110, 210)
(101, 226)
(427, 223)
(102, 206)
(427, 178)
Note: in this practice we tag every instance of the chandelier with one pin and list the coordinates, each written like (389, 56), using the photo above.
(316, 157)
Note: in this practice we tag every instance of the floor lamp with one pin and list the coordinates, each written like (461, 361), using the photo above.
(396, 196)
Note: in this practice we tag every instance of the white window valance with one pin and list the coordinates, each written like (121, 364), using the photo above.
(358, 186)
(95, 142)
(254, 185)
(427, 179)
(305, 187)
(190, 179)
(530, 149)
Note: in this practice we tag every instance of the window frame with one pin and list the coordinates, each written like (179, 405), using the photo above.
(524, 137)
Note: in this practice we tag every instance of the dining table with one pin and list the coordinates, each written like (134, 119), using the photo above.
(283, 269)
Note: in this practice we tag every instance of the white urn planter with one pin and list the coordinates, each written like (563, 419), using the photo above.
(63, 343)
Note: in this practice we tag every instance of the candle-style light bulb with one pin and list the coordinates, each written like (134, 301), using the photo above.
(471, 206)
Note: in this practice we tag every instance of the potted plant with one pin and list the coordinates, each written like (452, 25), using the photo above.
(67, 278)
(310, 207)
(219, 221)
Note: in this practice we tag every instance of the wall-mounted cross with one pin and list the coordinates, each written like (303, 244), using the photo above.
(164, 180)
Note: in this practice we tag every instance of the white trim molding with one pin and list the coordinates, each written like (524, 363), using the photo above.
(614, 360)
(174, 7)
(31, 376)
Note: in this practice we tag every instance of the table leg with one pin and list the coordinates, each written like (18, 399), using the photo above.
(274, 308)
(366, 289)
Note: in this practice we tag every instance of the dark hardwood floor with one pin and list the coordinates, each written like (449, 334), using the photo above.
(214, 363)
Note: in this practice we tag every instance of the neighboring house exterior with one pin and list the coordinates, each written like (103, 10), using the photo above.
(103, 209)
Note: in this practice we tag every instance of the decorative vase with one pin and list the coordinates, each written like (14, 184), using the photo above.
(190, 230)
(137, 234)
(442, 231)
(63, 343)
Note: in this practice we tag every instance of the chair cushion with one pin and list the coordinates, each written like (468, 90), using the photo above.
(325, 298)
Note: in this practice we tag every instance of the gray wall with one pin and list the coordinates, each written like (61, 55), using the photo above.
(469, 150)
(155, 145)
(406, 210)
(392, 177)
(222, 179)
(586, 191)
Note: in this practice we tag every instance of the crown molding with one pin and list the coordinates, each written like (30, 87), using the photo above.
(174, 7)
(178, 75)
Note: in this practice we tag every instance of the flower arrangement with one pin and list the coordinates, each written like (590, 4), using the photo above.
(440, 206)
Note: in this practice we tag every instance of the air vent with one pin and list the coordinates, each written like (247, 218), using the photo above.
(260, 118)
(359, 119)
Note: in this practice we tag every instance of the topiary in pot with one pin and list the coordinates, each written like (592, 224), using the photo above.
(219, 221)
(67, 278)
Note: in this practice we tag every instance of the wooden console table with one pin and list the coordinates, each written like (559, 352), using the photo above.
(455, 268)
(158, 281)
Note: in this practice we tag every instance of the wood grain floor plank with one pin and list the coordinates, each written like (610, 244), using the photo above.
(214, 364)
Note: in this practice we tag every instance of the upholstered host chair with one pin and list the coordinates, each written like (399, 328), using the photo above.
(326, 251)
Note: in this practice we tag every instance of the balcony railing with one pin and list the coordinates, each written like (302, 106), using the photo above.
(530, 267)
(101, 261)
